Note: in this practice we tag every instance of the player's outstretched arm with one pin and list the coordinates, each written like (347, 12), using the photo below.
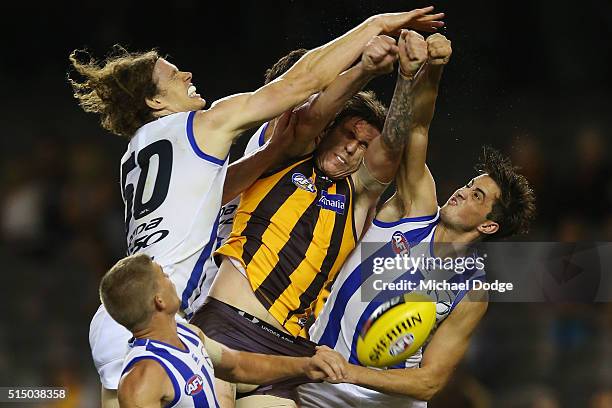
(244, 172)
(252, 368)
(444, 352)
(384, 153)
(145, 385)
(217, 127)
(415, 184)
(314, 116)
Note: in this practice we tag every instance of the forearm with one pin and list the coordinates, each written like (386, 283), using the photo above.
(418, 383)
(326, 62)
(397, 124)
(328, 102)
(254, 368)
(244, 172)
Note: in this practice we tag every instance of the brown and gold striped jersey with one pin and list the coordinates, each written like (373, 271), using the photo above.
(292, 232)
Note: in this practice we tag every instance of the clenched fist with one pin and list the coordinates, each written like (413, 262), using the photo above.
(379, 55)
(327, 364)
(439, 49)
(412, 52)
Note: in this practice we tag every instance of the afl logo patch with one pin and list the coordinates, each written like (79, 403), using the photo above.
(401, 344)
(194, 385)
(400, 244)
(303, 182)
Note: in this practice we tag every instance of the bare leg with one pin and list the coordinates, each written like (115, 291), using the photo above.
(265, 401)
(109, 398)
(226, 393)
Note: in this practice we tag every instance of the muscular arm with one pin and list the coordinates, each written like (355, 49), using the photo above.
(415, 184)
(252, 368)
(244, 172)
(217, 127)
(146, 385)
(383, 155)
(441, 356)
(314, 116)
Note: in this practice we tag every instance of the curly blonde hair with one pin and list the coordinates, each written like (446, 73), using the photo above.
(116, 88)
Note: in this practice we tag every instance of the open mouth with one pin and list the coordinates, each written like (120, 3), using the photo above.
(340, 159)
(191, 91)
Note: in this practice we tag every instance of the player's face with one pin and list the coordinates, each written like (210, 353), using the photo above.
(340, 152)
(167, 290)
(467, 209)
(177, 92)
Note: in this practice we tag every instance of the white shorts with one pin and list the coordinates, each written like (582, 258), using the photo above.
(316, 395)
(109, 345)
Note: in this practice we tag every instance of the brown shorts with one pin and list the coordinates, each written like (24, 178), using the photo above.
(239, 330)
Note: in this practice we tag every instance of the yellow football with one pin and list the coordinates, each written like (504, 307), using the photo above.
(396, 330)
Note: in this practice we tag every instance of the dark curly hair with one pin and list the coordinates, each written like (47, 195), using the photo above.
(364, 105)
(116, 88)
(515, 208)
(283, 65)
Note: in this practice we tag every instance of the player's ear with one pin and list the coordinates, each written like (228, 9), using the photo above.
(159, 302)
(155, 103)
(488, 227)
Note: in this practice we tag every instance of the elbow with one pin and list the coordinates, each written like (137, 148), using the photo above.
(431, 386)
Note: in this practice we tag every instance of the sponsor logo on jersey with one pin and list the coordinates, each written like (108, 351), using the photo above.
(400, 244)
(334, 202)
(401, 344)
(303, 182)
(194, 385)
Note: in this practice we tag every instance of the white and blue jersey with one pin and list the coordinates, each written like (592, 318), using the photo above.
(226, 220)
(190, 370)
(172, 192)
(350, 304)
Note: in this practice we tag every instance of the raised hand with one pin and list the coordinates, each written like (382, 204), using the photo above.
(418, 19)
(328, 365)
(413, 52)
(439, 49)
(379, 55)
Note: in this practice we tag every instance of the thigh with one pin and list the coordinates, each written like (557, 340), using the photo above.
(226, 393)
(265, 401)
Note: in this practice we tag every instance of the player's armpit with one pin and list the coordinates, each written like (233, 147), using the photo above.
(145, 385)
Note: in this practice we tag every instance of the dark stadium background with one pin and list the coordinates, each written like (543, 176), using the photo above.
(531, 78)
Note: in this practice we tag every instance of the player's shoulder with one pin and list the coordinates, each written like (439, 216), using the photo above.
(194, 329)
(146, 379)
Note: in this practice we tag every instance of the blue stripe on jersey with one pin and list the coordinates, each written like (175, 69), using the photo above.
(210, 384)
(194, 145)
(199, 399)
(198, 269)
(146, 342)
(383, 224)
(193, 341)
(380, 298)
(354, 281)
(262, 139)
(182, 326)
(175, 386)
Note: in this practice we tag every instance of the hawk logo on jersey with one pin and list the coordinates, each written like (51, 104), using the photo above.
(194, 385)
(303, 182)
(400, 244)
(334, 202)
